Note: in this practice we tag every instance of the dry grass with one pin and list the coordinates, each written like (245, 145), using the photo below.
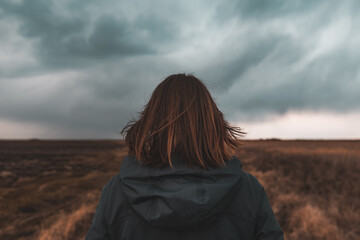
(312, 186)
(309, 222)
(50, 180)
(68, 225)
(314, 192)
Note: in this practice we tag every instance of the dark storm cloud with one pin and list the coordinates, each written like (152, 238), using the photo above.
(327, 84)
(95, 64)
(263, 9)
(62, 40)
(110, 37)
(101, 100)
(255, 52)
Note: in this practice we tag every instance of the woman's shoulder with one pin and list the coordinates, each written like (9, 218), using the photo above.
(252, 179)
(250, 183)
(111, 183)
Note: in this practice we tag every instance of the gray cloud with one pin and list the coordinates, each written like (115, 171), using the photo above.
(256, 51)
(262, 9)
(329, 83)
(103, 99)
(62, 40)
(91, 66)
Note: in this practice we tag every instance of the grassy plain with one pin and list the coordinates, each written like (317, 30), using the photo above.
(49, 188)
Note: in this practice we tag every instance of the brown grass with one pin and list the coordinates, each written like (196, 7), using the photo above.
(49, 190)
(68, 225)
(50, 180)
(314, 192)
(309, 222)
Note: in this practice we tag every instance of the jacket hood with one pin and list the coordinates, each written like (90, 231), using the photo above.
(179, 197)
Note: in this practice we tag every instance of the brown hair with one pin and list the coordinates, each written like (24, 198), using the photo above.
(182, 118)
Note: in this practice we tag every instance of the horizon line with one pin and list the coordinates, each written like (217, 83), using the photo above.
(116, 139)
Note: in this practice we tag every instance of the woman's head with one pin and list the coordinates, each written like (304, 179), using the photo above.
(181, 117)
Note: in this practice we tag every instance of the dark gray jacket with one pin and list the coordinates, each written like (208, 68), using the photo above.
(144, 202)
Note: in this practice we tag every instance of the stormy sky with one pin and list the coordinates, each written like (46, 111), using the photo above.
(83, 69)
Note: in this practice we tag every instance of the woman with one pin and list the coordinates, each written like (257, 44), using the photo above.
(180, 179)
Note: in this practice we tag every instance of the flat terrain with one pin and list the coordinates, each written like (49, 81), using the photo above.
(49, 188)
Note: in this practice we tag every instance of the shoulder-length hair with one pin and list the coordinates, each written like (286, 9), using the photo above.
(182, 118)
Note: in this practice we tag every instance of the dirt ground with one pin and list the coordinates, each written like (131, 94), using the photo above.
(49, 188)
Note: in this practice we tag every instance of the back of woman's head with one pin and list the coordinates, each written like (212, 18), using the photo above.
(181, 117)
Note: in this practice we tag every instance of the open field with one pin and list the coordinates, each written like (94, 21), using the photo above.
(49, 188)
